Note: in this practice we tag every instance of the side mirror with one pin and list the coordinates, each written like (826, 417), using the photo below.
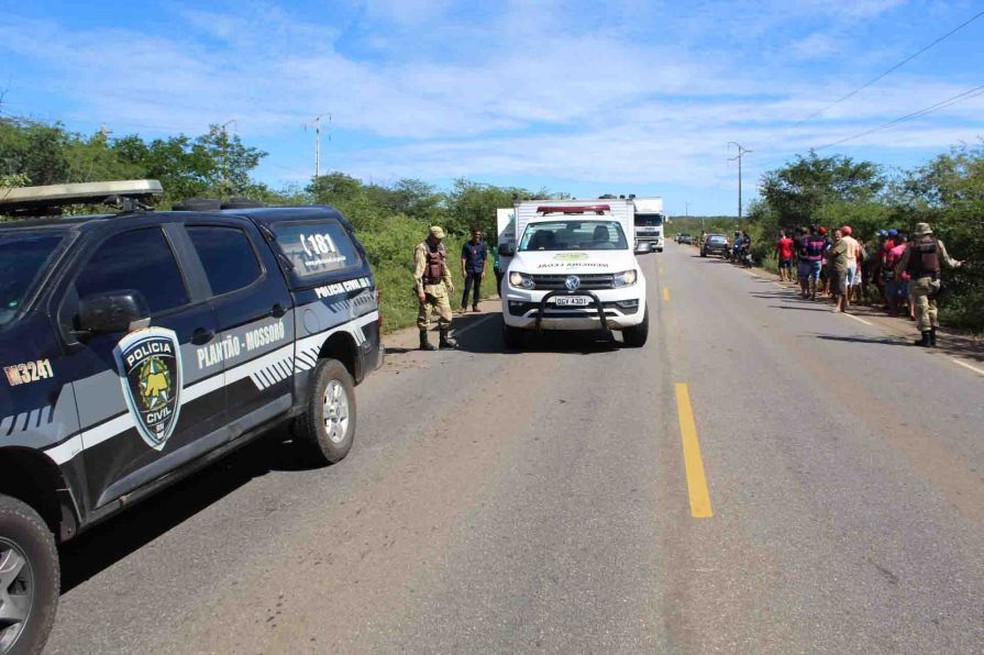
(506, 250)
(116, 311)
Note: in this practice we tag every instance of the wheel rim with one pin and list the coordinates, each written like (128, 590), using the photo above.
(336, 411)
(16, 593)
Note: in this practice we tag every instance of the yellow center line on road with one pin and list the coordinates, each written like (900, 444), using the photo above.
(666, 293)
(661, 270)
(700, 498)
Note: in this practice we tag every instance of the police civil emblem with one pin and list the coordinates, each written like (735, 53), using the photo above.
(149, 364)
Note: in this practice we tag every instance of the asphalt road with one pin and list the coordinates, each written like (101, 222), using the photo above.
(552, 500)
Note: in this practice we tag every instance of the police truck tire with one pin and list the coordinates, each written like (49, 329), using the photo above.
(29, 577)
(326, 429)
(636, 335)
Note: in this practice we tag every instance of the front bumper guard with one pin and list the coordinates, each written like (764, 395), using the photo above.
(594, 299)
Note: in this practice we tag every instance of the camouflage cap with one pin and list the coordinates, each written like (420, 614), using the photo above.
(437, 232)
(922, 229)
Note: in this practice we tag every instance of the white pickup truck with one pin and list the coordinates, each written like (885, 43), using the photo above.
(573, 268)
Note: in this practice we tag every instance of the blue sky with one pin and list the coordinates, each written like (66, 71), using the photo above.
(625, 96)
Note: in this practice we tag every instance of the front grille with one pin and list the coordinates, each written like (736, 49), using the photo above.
(626, 307)
(589, 281)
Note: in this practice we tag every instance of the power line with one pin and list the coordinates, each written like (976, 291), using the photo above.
(893, 68)
(943, 104)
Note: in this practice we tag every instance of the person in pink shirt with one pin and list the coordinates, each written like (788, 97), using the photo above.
(898, 289)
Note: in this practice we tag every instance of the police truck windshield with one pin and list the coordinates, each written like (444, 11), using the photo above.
(573, 235)
(23, 260)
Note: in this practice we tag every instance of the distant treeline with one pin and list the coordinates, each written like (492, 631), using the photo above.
(389, 218)
(947, 192)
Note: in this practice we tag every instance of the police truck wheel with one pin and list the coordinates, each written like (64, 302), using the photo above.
(29, 578)
(636, 335)
(327, 427)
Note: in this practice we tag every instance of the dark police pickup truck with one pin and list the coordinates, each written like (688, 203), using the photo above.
(138, 347)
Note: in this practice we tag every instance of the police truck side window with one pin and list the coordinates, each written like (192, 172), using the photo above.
(229, 259)
(140, 260)
(316, 248)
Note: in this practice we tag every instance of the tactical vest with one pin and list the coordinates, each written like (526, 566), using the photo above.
(924, 260)
(434, 270)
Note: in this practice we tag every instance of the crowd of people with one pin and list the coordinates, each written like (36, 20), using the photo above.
(904, 270)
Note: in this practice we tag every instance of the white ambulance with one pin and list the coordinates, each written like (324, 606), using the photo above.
(573, 268)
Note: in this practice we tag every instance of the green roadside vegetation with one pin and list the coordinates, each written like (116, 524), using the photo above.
(389, 219)
(947, 192)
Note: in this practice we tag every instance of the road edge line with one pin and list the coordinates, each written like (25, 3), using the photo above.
(858, 318)
(968, 366)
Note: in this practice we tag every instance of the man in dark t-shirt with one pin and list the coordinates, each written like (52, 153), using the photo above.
(474, 255)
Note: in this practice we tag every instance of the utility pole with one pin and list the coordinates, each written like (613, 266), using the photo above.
(741, 151)
(317, 141)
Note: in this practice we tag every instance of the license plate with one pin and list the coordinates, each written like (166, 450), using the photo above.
(572, 301)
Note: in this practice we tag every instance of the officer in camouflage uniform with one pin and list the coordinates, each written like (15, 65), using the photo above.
(922, 259)
(433, 285)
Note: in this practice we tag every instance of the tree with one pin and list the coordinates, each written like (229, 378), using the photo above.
(34, 150)
(211, 164)
(948, 193)
(797, 193)
(417, 199)
(231, 161)
(474, 204)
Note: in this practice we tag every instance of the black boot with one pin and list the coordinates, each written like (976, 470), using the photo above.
(446, 341)
(924, 340)
(425, 344)
(932, 337)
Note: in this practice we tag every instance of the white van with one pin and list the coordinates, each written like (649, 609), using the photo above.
(573, 268)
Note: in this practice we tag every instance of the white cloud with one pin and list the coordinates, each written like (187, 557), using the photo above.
(420, 89)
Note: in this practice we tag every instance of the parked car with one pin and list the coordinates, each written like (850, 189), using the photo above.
(140, 346)
(683, 237)
(715, 244)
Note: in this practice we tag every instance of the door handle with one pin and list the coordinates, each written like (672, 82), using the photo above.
(201, 335)
(278, 311)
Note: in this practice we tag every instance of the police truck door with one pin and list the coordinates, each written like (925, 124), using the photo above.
(254, 345)
(143, 406)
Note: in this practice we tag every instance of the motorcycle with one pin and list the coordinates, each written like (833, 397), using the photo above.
(741, 253)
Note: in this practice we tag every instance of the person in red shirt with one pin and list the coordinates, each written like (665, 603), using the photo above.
(897, 290)
(784, 252)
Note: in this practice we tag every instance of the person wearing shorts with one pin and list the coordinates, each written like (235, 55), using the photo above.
(784, 251)
(814, 246)
(838, 273)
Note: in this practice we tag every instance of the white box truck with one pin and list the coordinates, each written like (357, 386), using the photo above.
(573, 268)
(649, 219)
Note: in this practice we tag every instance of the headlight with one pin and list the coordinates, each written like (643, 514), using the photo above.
(625, 279)
(521, 280)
